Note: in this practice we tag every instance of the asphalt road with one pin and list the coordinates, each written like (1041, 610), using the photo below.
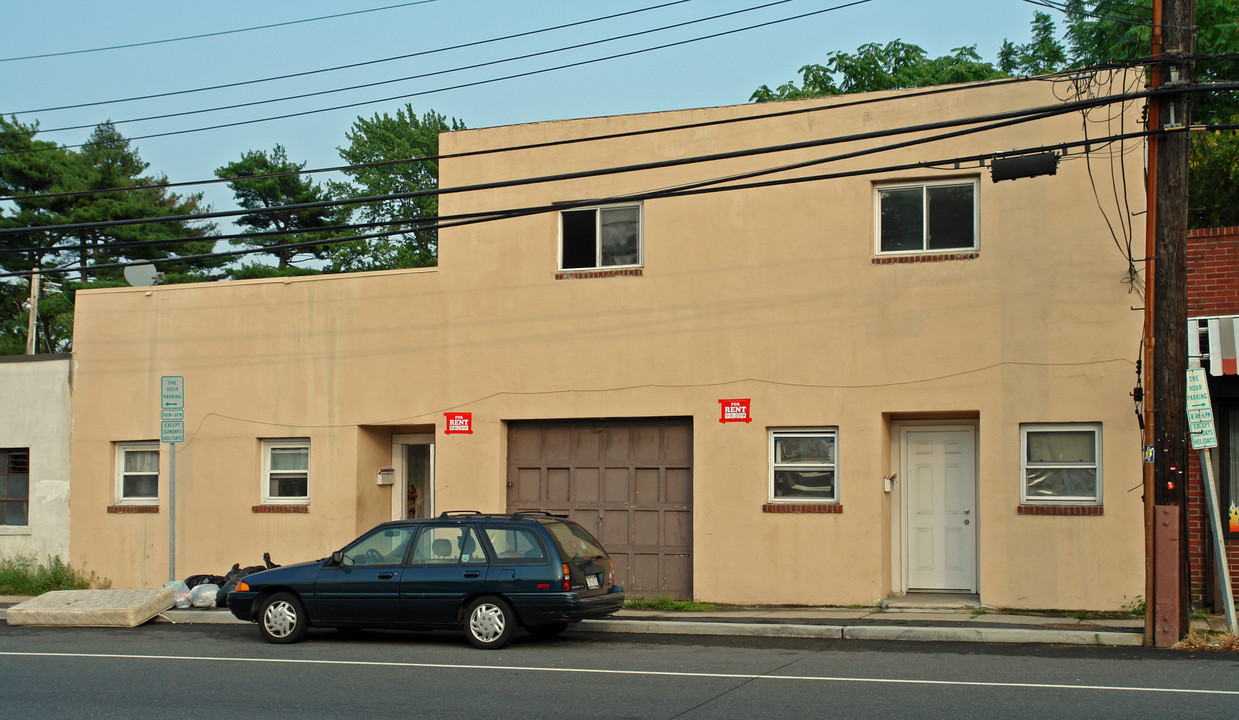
(205, 672)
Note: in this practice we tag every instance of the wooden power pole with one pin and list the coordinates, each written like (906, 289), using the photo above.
(1167, 603)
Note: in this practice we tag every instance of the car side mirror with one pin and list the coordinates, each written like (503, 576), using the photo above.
(339, 558)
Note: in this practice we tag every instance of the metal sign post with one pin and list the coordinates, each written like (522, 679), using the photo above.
(172, 431)
(1204, 438)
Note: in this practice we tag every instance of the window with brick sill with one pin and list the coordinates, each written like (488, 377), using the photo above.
(803, 465)
(285, 473)
(600, 238)
(939, 218)
(137, 475)
(1061, 469)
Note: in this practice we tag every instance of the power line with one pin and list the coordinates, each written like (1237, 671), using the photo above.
(712, 157)
(349, 66)
(1050, 77)
(488, 81)
(697, 189)
(1004, 120)
(214, 34)
(422, 76)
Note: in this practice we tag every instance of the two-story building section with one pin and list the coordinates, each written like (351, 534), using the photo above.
(793, 353)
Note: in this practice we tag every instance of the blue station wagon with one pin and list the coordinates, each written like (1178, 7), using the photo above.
(487, 574)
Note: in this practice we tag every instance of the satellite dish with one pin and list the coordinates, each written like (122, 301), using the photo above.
(143, 275)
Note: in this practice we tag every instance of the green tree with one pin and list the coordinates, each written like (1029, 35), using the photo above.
(893, 66)
(37, 177)
(1040, 55)
(386, 148)
(1097, 32)
(1102, 32)
(267, 182)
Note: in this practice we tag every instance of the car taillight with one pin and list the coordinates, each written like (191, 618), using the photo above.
(242, 586)
(566, 587)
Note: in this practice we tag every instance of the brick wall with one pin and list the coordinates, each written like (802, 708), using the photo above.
(1212, 289)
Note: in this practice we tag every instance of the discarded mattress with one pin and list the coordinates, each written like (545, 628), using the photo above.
(91, 608)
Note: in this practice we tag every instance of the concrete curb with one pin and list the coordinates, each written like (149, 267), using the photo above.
(1058, 636)
(869, 632)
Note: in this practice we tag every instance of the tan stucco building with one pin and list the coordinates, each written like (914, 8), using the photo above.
(898, 376)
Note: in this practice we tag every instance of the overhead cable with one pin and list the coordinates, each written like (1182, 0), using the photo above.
(214, 34)
(698, 189)
(1037, 112)
(475, 83)
(350, 66)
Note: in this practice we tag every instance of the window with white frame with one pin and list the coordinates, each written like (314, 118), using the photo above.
(600, 237)
(286, 471)
(1061, 463)
(926, 216)
(803, 465)
(15, 487)
(137, 473)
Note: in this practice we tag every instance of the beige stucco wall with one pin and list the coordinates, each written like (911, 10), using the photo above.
(36, 417)
(770, 294)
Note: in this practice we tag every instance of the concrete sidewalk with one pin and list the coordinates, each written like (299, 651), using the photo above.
(935, 618)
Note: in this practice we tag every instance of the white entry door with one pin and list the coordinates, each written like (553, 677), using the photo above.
(939, 491)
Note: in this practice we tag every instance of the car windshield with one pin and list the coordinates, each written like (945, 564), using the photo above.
(577, 544)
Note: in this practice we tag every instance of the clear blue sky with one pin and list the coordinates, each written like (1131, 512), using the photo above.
(719, 71)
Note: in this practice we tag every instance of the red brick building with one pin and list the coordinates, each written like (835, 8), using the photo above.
(1213, 312)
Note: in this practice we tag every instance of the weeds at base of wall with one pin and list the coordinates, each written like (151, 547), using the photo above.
(664, 602)
(1210, 641)
(24, 575)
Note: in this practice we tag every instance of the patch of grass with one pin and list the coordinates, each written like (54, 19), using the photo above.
(24, 575)
(1083, 615)
(978, 612)
(1135, 607)
(664, 602)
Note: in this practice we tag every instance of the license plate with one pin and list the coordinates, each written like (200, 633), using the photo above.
(591, 582)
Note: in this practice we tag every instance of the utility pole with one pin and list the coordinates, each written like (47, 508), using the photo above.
(1167, 601)
(32, 327)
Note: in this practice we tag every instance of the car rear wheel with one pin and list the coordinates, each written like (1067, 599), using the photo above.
(489, 623)
(549, 630)
(283, 619)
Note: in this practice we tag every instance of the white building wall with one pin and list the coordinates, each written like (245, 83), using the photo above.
(34, 394)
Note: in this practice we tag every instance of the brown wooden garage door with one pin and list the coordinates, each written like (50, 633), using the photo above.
(630, 482)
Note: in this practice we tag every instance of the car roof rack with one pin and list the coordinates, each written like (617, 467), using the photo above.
(546, 513)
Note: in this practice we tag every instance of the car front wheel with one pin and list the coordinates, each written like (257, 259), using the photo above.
(489, 623)
(283, 619)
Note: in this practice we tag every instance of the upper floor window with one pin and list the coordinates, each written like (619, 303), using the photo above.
(14, 487)
(286, 471)
(601, 237)
(137, 473)
(1061, 463)
(803, 464)
(927, 217)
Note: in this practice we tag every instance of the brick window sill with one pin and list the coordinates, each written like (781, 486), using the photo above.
(801, 508)
(925, 258)
(133, 509)
(281, 508)
(587, 274)
(1060, 510)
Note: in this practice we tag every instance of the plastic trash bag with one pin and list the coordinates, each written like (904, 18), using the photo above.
(180, 593)
(203, 596)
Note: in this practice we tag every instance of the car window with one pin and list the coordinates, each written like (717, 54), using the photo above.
(515, 544)
(385, 546)
(575, 541)
(449, 545)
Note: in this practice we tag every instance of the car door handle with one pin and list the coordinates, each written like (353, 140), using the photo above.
(386, 575)
(472, 574)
